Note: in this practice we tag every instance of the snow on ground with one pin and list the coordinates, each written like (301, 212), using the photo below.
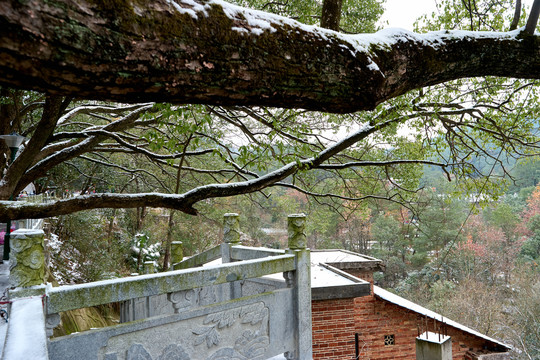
(4, 284)
(26, 334)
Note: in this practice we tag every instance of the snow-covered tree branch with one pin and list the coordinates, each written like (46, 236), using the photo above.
(212, 52)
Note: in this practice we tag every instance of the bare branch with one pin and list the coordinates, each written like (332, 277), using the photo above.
(517, 15)
(183, 202)
(533, 18)
(381, 163)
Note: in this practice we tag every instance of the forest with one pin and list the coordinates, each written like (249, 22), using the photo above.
(440, 182)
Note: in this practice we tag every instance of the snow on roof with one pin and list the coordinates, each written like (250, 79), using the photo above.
(398, 300)
(321, 276)
(432, 337)
(337, 256)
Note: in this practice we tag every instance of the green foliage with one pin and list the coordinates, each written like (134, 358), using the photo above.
(526, 174)
(477, 15)
(357, 16)
(142, 250)
(530, 250)
(503, 217)
(81, 252)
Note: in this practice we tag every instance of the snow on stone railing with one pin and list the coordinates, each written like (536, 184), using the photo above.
(35, 307)
(26, 337)
(70, 297)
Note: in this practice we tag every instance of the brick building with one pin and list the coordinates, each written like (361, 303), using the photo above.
(355, 319)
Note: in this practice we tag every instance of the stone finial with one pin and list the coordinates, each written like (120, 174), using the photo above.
(27, 264)
(297, 237)
(177, 252)
(231, 228)
(149, 267)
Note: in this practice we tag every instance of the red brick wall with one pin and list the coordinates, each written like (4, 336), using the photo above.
(376, 318)
(333, 329)
(335, 323)
(364, 275)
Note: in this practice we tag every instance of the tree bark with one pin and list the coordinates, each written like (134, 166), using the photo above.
(331, 14)
(199, 51)
(517, 15)
(54, 106)
(532, 21)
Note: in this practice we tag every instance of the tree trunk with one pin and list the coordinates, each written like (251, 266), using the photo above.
(199, 51)
(54, 106)
(168, 241)
(331, 14)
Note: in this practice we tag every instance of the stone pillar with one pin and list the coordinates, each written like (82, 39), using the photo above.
(231, 237)
(296, 224)
(300, 280)
(177, 253)
(149, 267)
(231, 228)
(27, 265)
(27, 275)
(433, 346)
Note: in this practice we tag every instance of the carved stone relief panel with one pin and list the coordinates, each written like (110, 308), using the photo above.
(190, 299)
(141, 308)
(236, 333)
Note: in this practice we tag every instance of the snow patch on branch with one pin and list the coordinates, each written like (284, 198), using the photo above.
(192, 11)
(258, 22)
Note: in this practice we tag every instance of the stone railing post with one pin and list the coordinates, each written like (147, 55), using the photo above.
(149, 267)
(27, 265)
(27, 277)
(231, 228)
(300, 280)
(177, 253)
(231, 237)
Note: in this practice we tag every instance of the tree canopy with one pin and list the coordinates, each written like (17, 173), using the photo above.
(228, 57)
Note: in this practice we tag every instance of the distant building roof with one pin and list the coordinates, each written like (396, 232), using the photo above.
(330, 281)
(346, 260)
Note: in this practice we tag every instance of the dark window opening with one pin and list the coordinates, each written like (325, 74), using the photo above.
(389, 340)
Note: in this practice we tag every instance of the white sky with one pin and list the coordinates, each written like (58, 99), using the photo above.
(403, 13)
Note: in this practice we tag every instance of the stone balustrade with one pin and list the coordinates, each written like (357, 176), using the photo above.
(268, 322)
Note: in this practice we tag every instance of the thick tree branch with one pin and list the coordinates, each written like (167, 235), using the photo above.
(183, 202)
(54, 106)
(331, 14)
(211, 52)
(517, 15)
(532, 21)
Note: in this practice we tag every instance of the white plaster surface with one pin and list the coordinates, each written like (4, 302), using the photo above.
(433, 337)
(336, 256)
